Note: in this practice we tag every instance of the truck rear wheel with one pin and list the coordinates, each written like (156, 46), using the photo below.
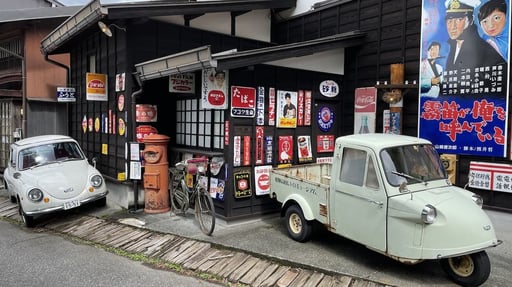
(468, 270)
(298, 227)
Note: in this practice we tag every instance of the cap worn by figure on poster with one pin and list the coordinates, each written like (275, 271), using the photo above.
(460, 8)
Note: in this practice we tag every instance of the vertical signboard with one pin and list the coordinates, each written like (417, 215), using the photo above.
(364, 110)
(463, 105)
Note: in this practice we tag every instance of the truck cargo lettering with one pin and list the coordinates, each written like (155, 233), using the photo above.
(295, 185)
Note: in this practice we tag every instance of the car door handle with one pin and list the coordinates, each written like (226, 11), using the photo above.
(380, 204)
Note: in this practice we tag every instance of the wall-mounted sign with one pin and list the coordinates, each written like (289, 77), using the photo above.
(96, 87)
(145, 113)
(286, 109)
(304, 149)
(143, 131)
(324, 143)
(182, 83)
(65, 94)
(285, 149)
(120, 80)
(242, 180)
(214, 89)
(329, 88)
(243, 102)
(325, 118)
(262, 180)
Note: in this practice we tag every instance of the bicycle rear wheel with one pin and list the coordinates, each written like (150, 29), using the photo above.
(178, 196)
(205, 211)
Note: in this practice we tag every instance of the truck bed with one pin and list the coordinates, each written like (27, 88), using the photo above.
(312, 173)
(307, 185)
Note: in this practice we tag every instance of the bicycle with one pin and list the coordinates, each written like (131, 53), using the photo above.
(186, 190)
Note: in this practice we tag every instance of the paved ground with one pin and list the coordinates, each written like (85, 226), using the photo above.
(227, 255)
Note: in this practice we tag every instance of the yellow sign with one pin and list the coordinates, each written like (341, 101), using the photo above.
(104, 149)
(96, 88)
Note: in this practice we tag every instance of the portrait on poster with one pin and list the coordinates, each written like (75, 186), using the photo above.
(120, 79)
(286, 109)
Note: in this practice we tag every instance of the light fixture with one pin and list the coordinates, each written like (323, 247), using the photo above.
(393, 96)
(106, 29)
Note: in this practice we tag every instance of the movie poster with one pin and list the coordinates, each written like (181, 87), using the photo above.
(464, 70)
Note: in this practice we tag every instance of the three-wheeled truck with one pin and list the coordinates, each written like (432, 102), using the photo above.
(390, 193)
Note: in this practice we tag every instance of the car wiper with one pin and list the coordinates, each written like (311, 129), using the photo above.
(409, 176)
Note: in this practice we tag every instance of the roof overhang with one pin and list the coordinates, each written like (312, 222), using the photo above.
(94, 11)
(200, 58)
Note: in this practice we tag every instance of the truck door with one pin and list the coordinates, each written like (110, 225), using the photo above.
(359, 201)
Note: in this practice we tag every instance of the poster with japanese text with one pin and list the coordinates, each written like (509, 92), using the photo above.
(286, 109)
(464, 70)
(285, 149)
(243, 102)
(214, 89)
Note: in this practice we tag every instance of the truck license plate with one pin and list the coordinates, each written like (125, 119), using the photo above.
(71, 204)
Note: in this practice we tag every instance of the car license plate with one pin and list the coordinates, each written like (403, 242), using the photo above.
(71, 204)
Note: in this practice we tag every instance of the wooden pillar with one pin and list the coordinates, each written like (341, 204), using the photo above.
(396, 78)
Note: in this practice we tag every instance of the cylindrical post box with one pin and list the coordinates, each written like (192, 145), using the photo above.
(156, 178)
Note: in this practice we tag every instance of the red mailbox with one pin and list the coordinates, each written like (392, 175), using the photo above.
(156, 178)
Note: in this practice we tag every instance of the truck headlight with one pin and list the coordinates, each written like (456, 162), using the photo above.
(35, 195)
(96, 181)
(428, 214)
(477, 199)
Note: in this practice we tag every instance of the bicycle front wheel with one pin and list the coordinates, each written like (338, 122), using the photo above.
(205, 211)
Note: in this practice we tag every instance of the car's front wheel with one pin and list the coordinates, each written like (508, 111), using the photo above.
(468, 270)
(27, 219)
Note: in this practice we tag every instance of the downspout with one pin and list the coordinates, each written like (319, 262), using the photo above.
(134, 138)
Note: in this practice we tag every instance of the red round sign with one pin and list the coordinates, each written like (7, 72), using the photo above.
(264, 182)
(216, 98)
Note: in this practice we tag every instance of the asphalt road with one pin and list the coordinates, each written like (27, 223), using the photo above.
(30, 258)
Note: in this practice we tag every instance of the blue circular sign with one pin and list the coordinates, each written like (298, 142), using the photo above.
(325, 118)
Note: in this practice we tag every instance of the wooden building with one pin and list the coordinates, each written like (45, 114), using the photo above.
(343, 45)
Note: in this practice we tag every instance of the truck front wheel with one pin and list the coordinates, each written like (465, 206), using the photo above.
(468, 270)
(298, 227)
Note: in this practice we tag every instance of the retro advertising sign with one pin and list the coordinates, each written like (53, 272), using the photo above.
(463, 105)
(96, 87)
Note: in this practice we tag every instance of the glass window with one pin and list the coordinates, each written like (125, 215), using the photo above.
(353, 166)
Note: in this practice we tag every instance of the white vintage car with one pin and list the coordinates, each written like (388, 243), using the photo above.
(50, 173)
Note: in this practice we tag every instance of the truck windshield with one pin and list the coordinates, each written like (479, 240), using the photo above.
(417, 163)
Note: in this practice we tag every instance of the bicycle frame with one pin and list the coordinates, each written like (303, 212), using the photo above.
(186, 188)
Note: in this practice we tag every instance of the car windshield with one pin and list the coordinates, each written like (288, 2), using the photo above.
(49, 153)
(412, 164)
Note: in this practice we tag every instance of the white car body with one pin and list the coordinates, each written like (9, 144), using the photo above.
(55, 181)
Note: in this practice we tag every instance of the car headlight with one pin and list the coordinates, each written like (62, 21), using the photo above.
(35, 195)
(96, 180)
(477, 199)
(428, 214)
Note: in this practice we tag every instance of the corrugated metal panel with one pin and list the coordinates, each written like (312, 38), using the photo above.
(10, 119)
